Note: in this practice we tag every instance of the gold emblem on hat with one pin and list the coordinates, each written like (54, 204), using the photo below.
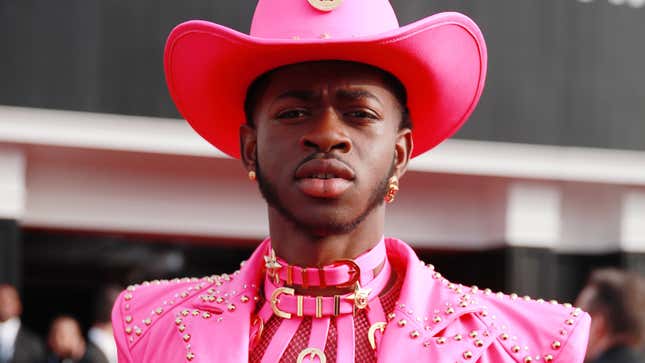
(325, 5)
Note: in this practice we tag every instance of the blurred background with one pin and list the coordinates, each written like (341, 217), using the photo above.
(102, 182)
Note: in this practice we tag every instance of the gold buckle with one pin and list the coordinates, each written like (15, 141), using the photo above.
(275, 300)
(354, 271)
(312, 352)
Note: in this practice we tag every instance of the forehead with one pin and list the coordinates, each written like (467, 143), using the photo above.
(65, 323)
(335, 74)
(8, 292)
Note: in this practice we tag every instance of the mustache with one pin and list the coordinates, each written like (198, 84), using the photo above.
(320, 155)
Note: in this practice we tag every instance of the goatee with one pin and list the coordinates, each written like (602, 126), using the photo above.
(328, 227)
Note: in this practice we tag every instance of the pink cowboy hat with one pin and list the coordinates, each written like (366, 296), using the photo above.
(441, 61)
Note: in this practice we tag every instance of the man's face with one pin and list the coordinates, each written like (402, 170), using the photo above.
(65, 338)
(10, 306)
(326, 143)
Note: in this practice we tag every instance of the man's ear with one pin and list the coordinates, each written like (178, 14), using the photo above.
(402, 151)
(248, 146)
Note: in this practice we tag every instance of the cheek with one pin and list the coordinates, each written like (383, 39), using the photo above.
(377, 155)
(275, 153)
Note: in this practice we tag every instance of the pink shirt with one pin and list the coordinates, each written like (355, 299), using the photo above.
(209, 320)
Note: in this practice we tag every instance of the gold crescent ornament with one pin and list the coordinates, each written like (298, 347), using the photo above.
(379, 325)
(312, 352)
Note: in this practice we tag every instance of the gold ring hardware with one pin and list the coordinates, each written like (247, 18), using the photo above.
(379, 325)
(319, 306)
(354, 272)
(336, 305)
(300, 301)
(258, 335)
(275, 299)
(312, 352)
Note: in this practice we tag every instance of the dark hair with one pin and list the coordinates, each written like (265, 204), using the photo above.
(620, 296)
(103, 302)
(260, 83)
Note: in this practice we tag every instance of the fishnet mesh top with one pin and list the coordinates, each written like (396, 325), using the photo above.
(363, 351)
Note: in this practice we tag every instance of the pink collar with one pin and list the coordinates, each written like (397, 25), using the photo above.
(342, 273)
(281, 300)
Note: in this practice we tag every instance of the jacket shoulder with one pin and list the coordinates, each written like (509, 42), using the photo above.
(500, 327)
(531, 328)
(449, 322)
(139, 307)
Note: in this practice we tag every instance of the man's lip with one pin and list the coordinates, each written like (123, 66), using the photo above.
(324, 166)
(323, 188)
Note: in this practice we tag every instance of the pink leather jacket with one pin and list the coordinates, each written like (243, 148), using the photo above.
(177, 321)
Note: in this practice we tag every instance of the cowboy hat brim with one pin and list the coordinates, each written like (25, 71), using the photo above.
(441, 61)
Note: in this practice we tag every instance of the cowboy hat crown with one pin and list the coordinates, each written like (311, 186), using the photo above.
(315, 19)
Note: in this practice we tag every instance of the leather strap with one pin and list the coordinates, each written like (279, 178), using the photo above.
(334, 274)
(319, 331)
(346, 338)
(318, 306)
(281, 340)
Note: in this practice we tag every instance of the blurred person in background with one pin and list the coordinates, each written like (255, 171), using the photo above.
(101, 346)
(17, 343)
(616, 301)
(66, 342)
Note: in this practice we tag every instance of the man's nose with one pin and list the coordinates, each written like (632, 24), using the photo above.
(328, 133)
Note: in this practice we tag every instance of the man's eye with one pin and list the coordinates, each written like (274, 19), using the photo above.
(361, 114)
(292, 114)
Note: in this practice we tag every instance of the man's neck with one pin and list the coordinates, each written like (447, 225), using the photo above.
(14, 320)
(300, 247)
(106, 327)
(604, 344)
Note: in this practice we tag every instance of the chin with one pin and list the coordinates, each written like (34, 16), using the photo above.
(328, 229)
(325, 224)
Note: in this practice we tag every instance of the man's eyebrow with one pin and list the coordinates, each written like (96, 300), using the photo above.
(304, 95)
(357, 94)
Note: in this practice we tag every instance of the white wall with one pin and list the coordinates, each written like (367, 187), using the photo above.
(59, 170)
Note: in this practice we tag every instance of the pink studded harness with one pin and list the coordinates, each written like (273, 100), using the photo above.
(281, 300)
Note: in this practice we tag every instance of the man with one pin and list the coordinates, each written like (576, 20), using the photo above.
(65, 341)
(319, 104)
(17, 343)
(616, 301)
(101, 347)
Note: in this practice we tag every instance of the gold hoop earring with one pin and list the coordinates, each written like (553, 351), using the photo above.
(252, 175)
(392, 189)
